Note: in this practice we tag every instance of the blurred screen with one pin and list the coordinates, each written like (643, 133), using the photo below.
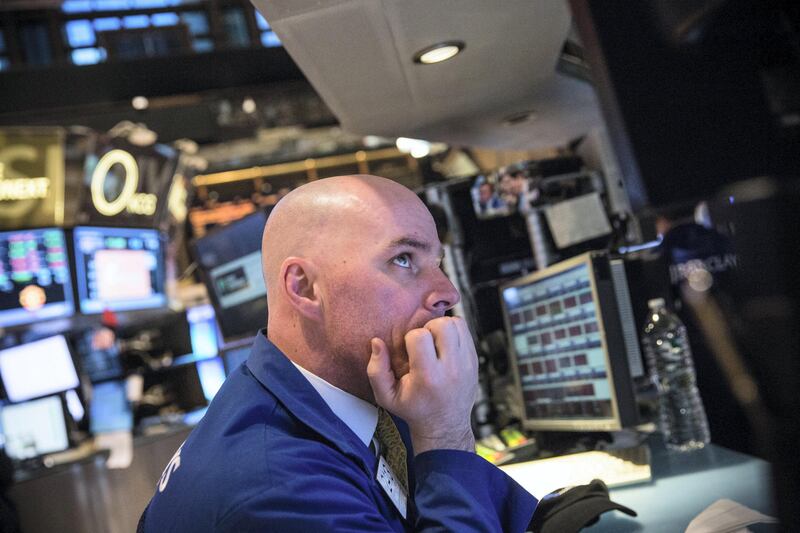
(119, 269)
(110, 409)
(34, 428)
(212, 376)
(37, 369)
(230, 261)
(34, 276)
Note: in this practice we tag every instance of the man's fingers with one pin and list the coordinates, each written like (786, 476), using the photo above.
(445, 336)
(468, 344)
(380, 373)
(421, 352)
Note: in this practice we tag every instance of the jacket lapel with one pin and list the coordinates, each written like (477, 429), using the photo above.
(280, 377)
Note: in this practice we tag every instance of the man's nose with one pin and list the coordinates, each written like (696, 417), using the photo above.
(442, 295)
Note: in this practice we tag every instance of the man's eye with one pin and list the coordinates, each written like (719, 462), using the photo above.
(402, 260)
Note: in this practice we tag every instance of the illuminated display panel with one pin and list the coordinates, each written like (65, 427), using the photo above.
(34, 276)
(38, 368)
(559, 324)
(120, 269)
(110, 409)
(34, 428)
(229, 260)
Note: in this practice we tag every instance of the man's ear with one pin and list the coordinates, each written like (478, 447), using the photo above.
(298, 277)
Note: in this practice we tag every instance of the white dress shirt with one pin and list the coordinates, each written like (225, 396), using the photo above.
(360, 416)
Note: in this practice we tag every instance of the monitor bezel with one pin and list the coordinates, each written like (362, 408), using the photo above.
(614, 374)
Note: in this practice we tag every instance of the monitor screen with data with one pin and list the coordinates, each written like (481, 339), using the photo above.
(569, 348)
(120, 269)
(34, 276)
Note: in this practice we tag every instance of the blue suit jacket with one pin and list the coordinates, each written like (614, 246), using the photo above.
(270, 455)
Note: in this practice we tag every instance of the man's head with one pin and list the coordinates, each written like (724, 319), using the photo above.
(347, 259)
(485, 192)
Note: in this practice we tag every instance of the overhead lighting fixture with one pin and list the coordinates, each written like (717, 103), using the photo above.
(438, 52)
(249, 105)
(417, 148)
(140, 103)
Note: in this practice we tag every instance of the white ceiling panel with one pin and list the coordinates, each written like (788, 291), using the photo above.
(358, 54)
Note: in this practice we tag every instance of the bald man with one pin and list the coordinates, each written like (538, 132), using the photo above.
(352, 412)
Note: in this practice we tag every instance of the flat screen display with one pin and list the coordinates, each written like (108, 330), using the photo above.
(230, 261)
(34, 276)
(120, 269)
(560, 356)
(38, 368)
(569, 350)
(34, 428)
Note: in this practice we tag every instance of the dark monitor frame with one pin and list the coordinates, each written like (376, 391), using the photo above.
(615, 346)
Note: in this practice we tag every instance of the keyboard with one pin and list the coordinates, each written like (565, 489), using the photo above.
(615, 467)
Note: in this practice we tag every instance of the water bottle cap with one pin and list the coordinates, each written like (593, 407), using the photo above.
(655, 303)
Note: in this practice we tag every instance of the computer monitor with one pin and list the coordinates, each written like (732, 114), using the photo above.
(573, 345)
(35, 279)
(34, 428)
(120, 269)
(38, 368)
(229, 260)
(109, 408)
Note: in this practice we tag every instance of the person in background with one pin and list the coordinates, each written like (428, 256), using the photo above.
(352, 412)
(488, 202)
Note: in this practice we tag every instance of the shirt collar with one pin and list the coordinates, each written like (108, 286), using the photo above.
(360, 416)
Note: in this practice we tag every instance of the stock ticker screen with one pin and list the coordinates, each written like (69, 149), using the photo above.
(560, 358)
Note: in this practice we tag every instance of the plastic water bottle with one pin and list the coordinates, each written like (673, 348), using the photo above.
(682, 417)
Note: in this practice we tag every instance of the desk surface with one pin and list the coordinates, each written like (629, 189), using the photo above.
(686, 483)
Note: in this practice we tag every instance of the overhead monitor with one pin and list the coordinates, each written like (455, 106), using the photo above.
(229, 260)
(110, 409)
(573, 345)
(34, 276)
(120, 269)
(38, 368)
(34, 428)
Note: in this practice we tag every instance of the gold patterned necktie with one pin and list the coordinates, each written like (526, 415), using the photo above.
(392, 447)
